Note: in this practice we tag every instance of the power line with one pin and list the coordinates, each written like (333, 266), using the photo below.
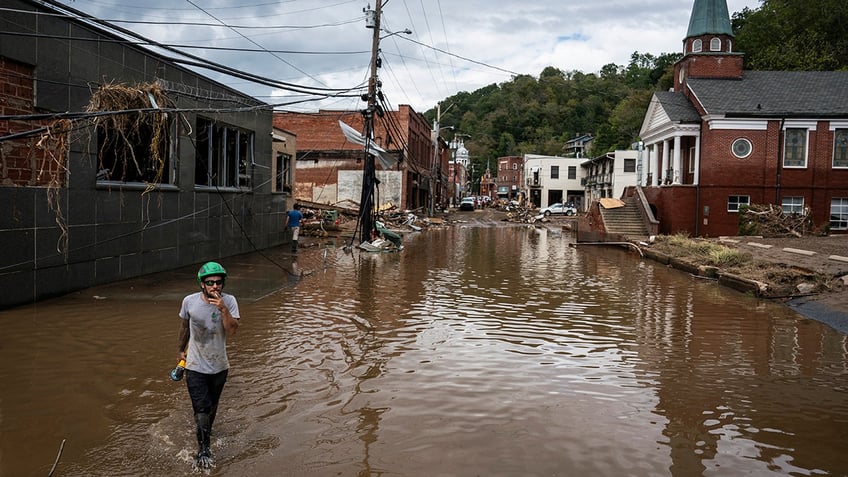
(198, 60)
(177, 45)
(257, 44)
(189, 23)
(461, 57)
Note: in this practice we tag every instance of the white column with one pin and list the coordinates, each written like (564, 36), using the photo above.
(697, 179)
(664, 161)
(654, 160)
(677, 161)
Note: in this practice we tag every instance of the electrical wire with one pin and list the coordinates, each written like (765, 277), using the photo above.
(257, 44)
(204, 24)
(193, 59)
(178, 45)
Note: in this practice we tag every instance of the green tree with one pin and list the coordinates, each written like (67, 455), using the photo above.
(791, 35)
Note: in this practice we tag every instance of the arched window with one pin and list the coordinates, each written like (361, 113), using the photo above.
(729, 46)
(696, 46)
(715, 44)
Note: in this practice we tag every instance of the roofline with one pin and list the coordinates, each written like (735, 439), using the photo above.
(102, 27)
(784, 115)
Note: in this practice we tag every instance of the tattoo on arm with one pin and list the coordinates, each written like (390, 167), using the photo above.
(184, 335)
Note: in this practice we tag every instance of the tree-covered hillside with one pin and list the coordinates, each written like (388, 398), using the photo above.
(538, 115)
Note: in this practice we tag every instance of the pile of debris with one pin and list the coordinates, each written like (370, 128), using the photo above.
(517, 213)
(415, 220)
(521, 214)
(769, 220)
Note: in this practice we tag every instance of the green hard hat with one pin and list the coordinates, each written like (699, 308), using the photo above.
(209, 269)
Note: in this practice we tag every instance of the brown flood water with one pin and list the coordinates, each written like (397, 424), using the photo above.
(475, 351)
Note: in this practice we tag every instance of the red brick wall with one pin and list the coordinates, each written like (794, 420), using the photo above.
(23, 163)
(321, 139)
(675, 208)
(708, 64)
(722, 175)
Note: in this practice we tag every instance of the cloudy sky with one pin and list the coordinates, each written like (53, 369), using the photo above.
(458, 45)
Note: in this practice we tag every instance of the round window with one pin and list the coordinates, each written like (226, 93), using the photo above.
(741, 148)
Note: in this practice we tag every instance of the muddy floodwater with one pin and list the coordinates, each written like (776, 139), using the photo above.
(476, 351)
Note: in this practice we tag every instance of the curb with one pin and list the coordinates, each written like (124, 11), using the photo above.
(742, 284)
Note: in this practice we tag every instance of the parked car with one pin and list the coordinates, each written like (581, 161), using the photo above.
(467, 203)
(559, 208)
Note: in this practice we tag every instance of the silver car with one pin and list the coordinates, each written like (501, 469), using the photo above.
(558, 208)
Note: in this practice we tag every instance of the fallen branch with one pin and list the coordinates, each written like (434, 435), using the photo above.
(58, 456)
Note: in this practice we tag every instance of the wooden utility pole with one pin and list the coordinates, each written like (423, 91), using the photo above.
(369, 174)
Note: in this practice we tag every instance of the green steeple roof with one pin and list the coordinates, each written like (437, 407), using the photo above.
(709, 17)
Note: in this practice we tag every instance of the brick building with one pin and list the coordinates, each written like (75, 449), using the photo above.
(329, 166)
(726, 137)
(510, 176)
(81, 206)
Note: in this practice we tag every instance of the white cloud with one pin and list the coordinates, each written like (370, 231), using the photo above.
(500, 36)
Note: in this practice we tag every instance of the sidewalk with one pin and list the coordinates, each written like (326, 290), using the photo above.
(824, 255)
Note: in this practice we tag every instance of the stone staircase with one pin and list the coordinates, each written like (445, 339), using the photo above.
(625, 221)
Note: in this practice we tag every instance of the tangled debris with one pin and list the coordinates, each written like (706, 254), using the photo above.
(778, 280)
(392, 223)
(769, 220)
(127, 122)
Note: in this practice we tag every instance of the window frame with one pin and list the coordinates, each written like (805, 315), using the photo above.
(715, 44)
(841, 211)
(734, 202)
(697, 45)
(792, 205)
(797, 163)
(741, 140)
(116, 150)
(629, 165)
(229, 155)
(554, 172)
(283, 173)
(841, 150)
(572, 173)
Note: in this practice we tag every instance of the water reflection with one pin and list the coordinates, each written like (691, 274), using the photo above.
(475, 351)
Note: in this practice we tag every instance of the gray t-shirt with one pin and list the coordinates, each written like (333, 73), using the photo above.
(207, 345)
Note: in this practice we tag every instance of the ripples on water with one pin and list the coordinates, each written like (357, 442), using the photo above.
(475, 351)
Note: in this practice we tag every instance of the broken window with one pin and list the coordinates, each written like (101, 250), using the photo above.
(224, 156)
(135, 143)
(283, 173)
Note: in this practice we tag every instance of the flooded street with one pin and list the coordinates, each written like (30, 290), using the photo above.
(491, 351)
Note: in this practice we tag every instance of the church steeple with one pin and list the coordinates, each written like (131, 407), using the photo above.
(709, 17)
(708, 46)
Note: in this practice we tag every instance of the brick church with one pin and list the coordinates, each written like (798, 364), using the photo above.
(725, 137)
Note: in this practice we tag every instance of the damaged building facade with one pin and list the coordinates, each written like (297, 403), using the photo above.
(118, 162)
(329, 165)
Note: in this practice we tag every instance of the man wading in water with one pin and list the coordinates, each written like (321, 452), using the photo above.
(293, 218)
(209, 316)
